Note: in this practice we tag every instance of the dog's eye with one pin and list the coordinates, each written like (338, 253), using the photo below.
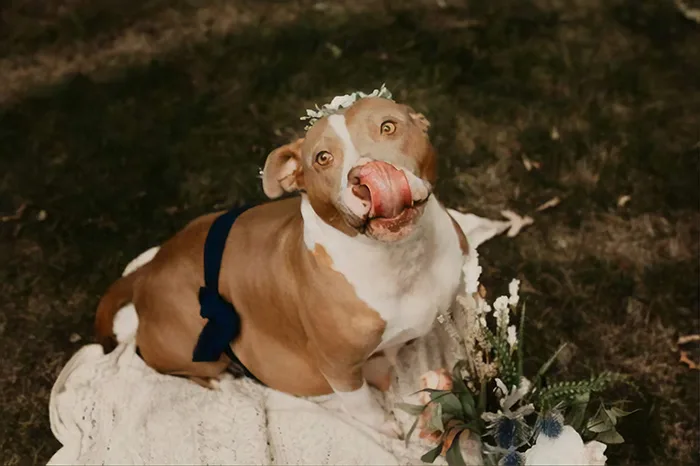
(388, 127)
(324, 158)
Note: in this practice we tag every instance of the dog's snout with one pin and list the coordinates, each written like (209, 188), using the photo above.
(354, 176)
(362, 192)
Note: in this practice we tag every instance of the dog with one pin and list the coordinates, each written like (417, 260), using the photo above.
(329, 283)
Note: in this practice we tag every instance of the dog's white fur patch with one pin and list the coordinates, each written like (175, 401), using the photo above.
(350, 154)
(407, 282)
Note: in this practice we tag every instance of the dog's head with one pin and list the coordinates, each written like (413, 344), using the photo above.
(368, 169)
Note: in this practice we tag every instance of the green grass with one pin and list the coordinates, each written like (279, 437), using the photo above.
(124, 153)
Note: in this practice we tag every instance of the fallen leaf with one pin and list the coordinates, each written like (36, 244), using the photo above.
(517, 222)
(530, 164)
(335, 50)
(171, 210)
(688, 339)
(687, 361)
(553, 202)
(450, 438)
(74, 338)
(16, 216)
(623, 200)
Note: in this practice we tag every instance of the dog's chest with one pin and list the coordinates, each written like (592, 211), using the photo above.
(407, 283)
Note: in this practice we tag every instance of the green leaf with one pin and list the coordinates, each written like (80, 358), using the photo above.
(621, 413)
(415, 410)
(454, 453)
(482, 398)
(431, 391)
(432, 454)
(611, 415)
(457, 380)
(410, 431)
(435, 422)
(467, 401)
(610, 437)
(545, 367)
(521, 342)
(509, 373)
(450, 404)
(600, 422)
(577, 412)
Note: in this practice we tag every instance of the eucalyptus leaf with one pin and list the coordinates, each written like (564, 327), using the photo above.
(410, 408)
(610, 437)
(467, 401)
(435, 422)
(601, 422)
(432, 454)
(450, 404)
(621, 413)
(410, 431)
(454, 453)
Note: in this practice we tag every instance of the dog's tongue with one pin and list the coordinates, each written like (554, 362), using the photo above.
(389, 189)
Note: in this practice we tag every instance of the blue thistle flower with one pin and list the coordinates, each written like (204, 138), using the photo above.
(512, 458)
(551, 424)
(505, 432)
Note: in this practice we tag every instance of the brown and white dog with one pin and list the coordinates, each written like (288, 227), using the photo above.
(326, 283)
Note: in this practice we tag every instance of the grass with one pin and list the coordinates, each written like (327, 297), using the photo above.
(121, 121)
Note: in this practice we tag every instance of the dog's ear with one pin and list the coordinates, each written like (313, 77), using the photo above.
(283, 171)
(419, 119)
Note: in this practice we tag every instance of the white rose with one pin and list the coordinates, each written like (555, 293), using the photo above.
(595, 453)
(566, 449)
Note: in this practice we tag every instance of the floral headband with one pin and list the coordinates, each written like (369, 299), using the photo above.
(340, 102)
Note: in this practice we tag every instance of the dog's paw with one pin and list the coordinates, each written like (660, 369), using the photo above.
(391, 429)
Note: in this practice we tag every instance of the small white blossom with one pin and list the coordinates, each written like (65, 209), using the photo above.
(502, 312)
(513, 289)
(525, 386)
(482, 321)
(512, 337)
(340, 102)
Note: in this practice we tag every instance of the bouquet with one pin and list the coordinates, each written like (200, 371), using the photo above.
(488, 410)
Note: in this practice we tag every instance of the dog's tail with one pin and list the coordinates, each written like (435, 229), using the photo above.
(119, 294)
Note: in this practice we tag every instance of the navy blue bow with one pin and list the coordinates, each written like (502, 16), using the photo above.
(222, 327)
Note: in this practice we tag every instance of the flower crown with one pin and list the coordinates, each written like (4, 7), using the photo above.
(340, 102)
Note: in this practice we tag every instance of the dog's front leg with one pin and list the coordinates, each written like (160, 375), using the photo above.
(358, 402)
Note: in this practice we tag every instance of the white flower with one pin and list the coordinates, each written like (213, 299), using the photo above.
(595, 453)
(502, 313)
(566, 449)
(482, 321)
(525, 386)
(512, 337)
(513, 288)
(342, 101)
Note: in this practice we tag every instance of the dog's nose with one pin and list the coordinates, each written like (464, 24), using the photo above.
(358, 189)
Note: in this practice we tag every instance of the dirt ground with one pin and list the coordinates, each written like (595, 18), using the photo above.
(121, 120)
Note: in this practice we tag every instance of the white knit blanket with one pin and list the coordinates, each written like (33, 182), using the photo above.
(113, 409)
